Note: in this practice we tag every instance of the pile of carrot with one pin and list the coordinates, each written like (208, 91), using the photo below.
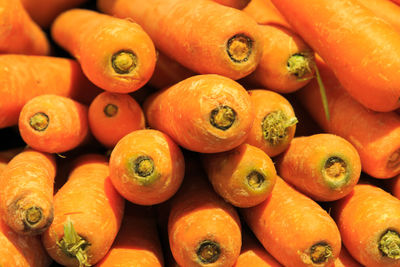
(211, 133)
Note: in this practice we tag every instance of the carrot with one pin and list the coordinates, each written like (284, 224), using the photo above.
(375, 135)
(305, 235)
(205, 113)
(146, 167)
(18, 33)
(87, 215)
(363, 51)
(232, 48)
(239, 4)
(53, 124)
(287, 62)
(243, 176)
(274, 124)
(369, 223)
(385, 9)
(112, 116)
(115, 54)
(345, 259)
(24, 77)
(6, 156)
(396, 2)
(325, 167)
(137, 242)
(265, 13)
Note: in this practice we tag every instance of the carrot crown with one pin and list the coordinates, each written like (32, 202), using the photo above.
(318, 253)
(39, 121)
(124, 62)
(275, 126)
(239, 48)
(301, 65)
(256, 180)
(208, 251)
(110, 110)
(389, 244)
(222, 117)
(142, 168)
(336, 172)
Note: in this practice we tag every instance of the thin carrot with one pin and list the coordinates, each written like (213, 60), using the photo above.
(243, 176)
(345, 259)
(294, 228)
(205, 113)
(24, 77)
(265, 13)
(363, 51)
(369, 223)
(385, 9)
(239, 4)
(87, 215)
(232, 48)
(375, 135)
(115, 54)
(112, 116)
(325, 167)
(53, 124)
(146, 167)
(274, 124)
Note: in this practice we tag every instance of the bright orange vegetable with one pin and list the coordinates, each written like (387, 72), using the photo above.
(239, 4)
(385, 9)
(345, 259)
(265, 13)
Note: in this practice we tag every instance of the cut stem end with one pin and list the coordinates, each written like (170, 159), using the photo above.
(39, 121)
(394, 160)
(301, 66)
(33, 216)
(110, 110)
(320, 253)
(275, 126)
(239, 48)
(124, 62)
(208, 251)
(335, 172)
(222, 117)
(389, 244)
(256, 180)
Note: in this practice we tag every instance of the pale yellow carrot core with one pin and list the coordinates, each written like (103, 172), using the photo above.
(275, 126)
(320, 252)
(335, 168)
(239, 48)
(208, 251)
(255, 180)
(389, 244)
(301, 65)
(222, 117)
(33, 215)
(144, 166)
(124, 62)
(39, 121)
(394, 160)
(110, 110)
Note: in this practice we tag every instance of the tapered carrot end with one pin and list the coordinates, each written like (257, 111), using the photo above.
(208, 251)
(301, 65)
(318, 253)
(389, 244)
(124, 62)
(39, 121)
(275, 127)
(239, 48)
(222, 117)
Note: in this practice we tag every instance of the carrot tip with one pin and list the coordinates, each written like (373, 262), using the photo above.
(394, 160)
(142, 168)
(110, 110)
(239, 48)
(208, 251)
(256, 180)
(222, 117)
(320, 252)
(39, 121)
(124, 62)
(389, 244)
(335, 172)
(301, 65)
(275, 126)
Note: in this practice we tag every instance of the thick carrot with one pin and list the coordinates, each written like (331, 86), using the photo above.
(325, 167)
(232, 48)
(274, 123)
(87, 215)
(112, 116)
(19, 34)
(239, 4)
(243, 176)
(54, 124)
(345, 259)
(146, 167)
(385, 9)
(294, 228)
(24, 77)
(115, 54)
(264, 12)
(205, 113)
(287, 62)
(369, 223)
(363, 51)
(375, 135)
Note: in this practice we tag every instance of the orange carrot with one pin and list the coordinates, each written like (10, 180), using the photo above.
(265, 13)
(294, 228)
(385, 9)
(396, 2)
(24, 77)
(274, 124)
(18, 33)
(325, 167)
(115, 54)
(205, 113)
(369, 223)
(394, 186)
(232, 48)
(146, 167)
(243, 176)
(52, 123)
(363, 51)
(87, 215)
(239, 4)
(112, 116)
(345, 259)
(376, 136)
(7, 155)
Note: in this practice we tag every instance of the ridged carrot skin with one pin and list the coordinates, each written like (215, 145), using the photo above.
(369, 223)
(265, 13)
(305, 236)
(115, 54)
(363, 51)
(385, 9)
(205, 113)
(345, 259)
(232, 48)
(239, 4)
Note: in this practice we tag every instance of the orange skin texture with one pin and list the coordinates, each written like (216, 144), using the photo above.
(385, 9)
(28, 178)
(362, 50)
(239, 4)
(375, 135)
(264, 12)
(307, 222)
(362, 217)
(170, 25)
(303, 162)
(198, 214)
(99, 37)
(183, 112)
(109, 130)
(272, 71)
(264, 102)
(227, 172)
(19, 34)
(68, 123)
(345, 259)
(24, 77)
(169, 166)
(95, 208)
